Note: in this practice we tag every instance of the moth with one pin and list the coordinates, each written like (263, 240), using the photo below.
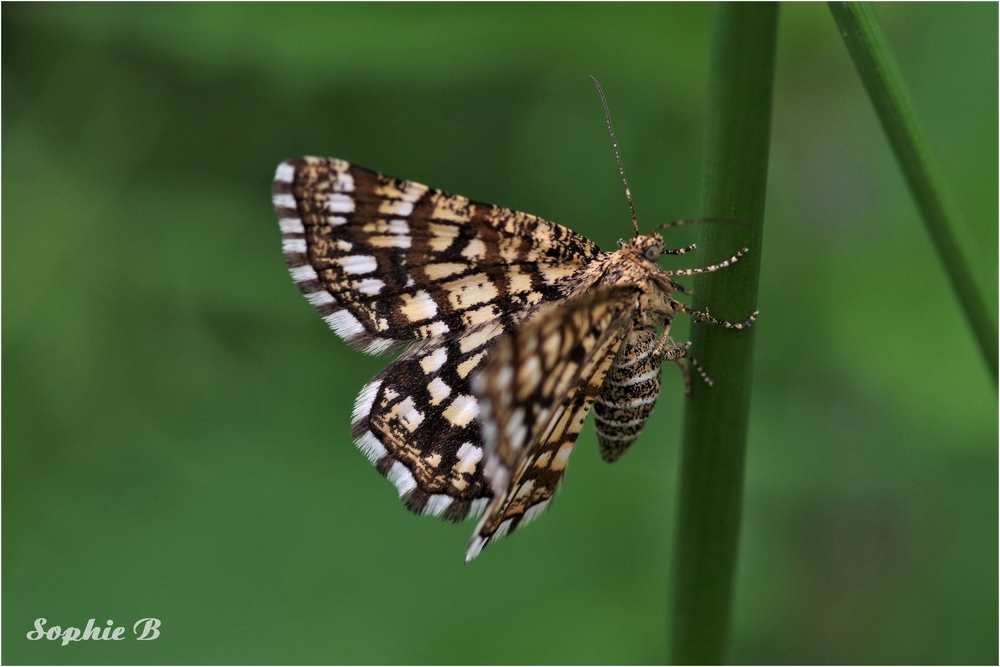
(512, 328)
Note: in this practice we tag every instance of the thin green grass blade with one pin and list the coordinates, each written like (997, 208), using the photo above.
(874, 62)
(716, 418)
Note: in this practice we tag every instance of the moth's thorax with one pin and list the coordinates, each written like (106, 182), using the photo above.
(635, 263)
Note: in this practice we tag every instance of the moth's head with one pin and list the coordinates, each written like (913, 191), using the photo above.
(648, 248)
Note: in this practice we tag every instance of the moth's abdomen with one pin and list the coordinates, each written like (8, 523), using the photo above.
(628, 395)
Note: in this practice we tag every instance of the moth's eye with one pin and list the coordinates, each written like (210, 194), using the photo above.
(653, 253)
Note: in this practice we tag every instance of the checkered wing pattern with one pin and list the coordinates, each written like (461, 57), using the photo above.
(417, 422)
(388, 262)
(513, 328)
(535, 391)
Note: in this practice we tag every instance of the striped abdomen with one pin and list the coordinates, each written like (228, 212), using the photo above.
(628, 395)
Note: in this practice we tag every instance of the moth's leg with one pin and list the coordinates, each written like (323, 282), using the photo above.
(697, 367)
(708, 269)
(687, 376)
(667, 350)
(679, 251)
(680, 288)
(677, 354)
(699, 316)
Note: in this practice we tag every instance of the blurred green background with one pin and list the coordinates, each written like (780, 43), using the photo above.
(176, 417)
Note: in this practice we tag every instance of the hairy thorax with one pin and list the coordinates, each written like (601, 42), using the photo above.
(635, 263)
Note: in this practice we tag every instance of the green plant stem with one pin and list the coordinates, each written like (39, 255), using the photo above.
(878, 71)
(716, 417)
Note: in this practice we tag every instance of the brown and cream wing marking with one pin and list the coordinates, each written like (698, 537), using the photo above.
(387, 262)
(535, 392)
(417, 422)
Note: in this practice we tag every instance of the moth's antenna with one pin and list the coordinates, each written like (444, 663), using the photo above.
(618, 155)
(698, 221)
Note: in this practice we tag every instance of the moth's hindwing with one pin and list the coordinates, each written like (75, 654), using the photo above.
(417, 422)
(387, 262)
(534, 394)
(628, 394)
